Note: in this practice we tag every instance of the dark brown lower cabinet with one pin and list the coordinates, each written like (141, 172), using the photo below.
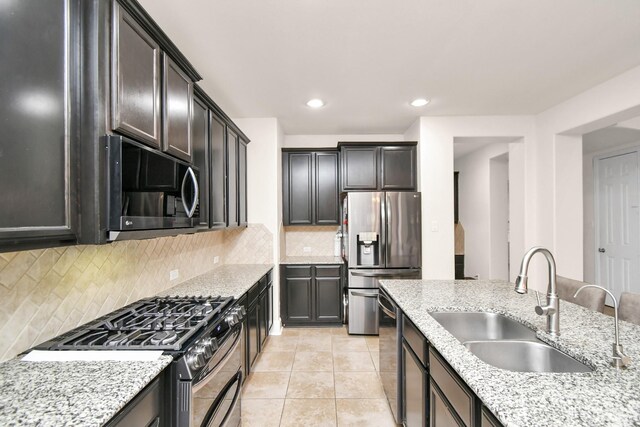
(414, 387)
(488, 420)
(311, 294)
(253, 331)
(146, 409)
(433, 393)
(441, 413)
(258, 319)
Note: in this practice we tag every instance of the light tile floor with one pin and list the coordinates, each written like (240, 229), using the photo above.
(316, 377)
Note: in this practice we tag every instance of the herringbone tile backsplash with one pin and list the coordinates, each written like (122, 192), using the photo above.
(44, 293)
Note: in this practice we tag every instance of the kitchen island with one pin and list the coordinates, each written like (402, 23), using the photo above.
(603, 397)
(90, 393)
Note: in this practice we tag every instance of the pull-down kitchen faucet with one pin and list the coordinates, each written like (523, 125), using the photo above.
(552, 308)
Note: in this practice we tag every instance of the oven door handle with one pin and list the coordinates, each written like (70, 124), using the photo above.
(364, 294)
(386, 310)
(237, 378)
(222, 362)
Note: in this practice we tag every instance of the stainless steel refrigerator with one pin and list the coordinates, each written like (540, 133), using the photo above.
(381, 239)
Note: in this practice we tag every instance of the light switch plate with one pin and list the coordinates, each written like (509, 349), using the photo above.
(306, 249)
(174, 274)
(216, 259)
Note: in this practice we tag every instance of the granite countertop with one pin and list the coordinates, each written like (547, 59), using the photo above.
(70, 393)
(311, 260)
(91, 393)
(229, 280)
(605, 396)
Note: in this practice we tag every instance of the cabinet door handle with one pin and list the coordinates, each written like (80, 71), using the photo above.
(601, 250)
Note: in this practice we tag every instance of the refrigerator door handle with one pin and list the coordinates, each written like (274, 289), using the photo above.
(383, 230)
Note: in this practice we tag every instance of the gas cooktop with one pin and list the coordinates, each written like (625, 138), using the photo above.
(156, 323)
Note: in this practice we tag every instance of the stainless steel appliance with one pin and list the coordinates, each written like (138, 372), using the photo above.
(203, 335)
(150, 192)
(381, 238)
(390, 323)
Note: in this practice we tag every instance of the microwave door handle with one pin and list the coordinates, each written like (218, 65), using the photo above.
(192, 209)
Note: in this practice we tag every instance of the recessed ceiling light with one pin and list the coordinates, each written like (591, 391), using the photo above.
(420, 102)
(315, 103)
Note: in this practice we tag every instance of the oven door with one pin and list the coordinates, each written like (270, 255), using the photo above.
(216, 397)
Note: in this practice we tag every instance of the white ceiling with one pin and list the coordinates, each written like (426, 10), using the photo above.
(369, 58)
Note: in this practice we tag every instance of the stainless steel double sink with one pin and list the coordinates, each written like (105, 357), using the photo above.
(505, 343)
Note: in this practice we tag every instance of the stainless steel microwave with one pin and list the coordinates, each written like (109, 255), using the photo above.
(151, 194)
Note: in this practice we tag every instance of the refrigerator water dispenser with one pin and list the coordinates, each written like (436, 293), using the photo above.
(368, 253)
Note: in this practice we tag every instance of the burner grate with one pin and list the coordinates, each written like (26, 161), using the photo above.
(153, 323)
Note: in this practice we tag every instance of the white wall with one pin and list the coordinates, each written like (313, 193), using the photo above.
(437, 136)
(475, 206)
(322, 141)
(556, 165)
(499, 212)
(517, 223)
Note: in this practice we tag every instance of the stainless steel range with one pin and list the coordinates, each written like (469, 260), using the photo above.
(203, 335)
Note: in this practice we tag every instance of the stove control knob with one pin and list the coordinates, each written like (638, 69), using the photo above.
(241, 311)
(209, 345)
(232, 319)
(195, 360)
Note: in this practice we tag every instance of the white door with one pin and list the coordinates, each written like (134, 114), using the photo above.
(618, 234)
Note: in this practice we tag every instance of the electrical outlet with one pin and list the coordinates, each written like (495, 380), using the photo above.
(434, 226)
(306, 249)
(216, 259)
(174, 274)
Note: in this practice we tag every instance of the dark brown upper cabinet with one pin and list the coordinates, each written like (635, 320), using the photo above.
(38, 153)
(398, 168)
(178, 99)
(378, 166)
(226, 163)
(359, 168)
(232, 178)
(242, 182)
(136, 80)
(218, 178)
(200, 143)
(310, 187)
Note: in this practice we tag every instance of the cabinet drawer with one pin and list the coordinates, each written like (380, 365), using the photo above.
(415, 339)
(459, 396)
(297, 271)
(254, 292)
(263, 283)
(327, 271)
